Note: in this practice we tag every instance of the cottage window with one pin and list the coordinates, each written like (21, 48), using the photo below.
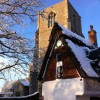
(59, 72)
(51, 19)
(59, 66)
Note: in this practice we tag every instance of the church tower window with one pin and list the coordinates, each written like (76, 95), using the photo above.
(51, 19)
(74, 23)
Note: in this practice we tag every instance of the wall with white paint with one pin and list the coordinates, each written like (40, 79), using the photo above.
(63, 89)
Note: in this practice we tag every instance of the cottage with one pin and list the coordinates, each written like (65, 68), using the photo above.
(70, 71)
(16, 88)
(21, 87)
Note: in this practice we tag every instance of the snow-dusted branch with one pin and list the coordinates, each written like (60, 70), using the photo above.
(15, 47)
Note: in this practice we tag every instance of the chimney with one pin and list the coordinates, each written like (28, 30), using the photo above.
(92, 36)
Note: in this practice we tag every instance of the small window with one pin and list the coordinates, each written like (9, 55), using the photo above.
(59, 66)
(59, 72)
(51, 19)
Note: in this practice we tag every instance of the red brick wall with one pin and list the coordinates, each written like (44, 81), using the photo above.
(69, 69)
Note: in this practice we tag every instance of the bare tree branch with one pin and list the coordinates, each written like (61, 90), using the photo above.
(13, 46)
(8, 66)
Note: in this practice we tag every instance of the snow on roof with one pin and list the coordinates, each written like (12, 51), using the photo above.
(74, 35)
(80, 54)
(24, 82)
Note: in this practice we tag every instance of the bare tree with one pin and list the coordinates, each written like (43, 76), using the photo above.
(14, 47)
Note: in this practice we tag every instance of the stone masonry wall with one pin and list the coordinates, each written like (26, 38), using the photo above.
(60, 9)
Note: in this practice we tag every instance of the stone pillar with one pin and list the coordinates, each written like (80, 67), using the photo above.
(92, 36)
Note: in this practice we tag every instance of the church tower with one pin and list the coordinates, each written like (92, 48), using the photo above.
(63, 13)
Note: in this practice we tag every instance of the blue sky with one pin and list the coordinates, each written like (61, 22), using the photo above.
(89, 10)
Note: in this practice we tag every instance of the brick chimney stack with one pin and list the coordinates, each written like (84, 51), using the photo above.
(92, 36)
